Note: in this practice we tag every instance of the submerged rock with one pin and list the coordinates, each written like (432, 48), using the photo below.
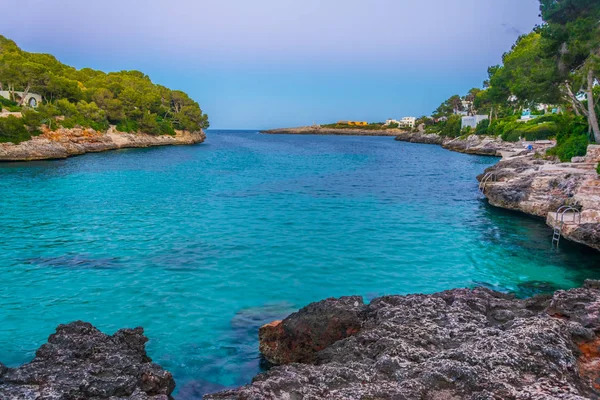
(459, 344)
(80, 362)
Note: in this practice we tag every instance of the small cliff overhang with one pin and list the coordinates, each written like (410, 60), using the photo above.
(30, 99)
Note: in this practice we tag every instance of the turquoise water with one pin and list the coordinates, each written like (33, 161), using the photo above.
(202, 244)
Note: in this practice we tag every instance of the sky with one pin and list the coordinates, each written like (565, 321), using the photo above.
(277, 63)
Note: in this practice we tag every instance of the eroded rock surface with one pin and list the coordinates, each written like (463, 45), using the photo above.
(63, 143)
(473, 144)
(300, 336)
(80, 362)
(540, 187)
(460, 344)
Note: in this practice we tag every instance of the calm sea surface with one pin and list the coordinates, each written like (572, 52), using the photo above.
(202, 244)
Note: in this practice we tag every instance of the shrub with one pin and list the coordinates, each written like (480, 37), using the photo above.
(7, 103)
(482, 127)
(165, 127)
(13, 129)
(572, 138)
(598, 168)
(541, 131)
(128, 125)
(451, 128)
(148, 124)
(571, 146)
(548, 118)
(512, 136)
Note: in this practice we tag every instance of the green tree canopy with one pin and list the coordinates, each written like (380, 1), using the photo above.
(87, 97)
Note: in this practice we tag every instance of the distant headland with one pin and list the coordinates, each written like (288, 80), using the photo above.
(351, 128)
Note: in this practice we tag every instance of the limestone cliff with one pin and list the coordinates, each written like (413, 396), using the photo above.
(62, 143)
(540, 187)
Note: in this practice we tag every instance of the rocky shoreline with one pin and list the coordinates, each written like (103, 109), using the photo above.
(80, 362)
(458, 344)
(540, 187)
(526, 182)
(315, 130)
(473, 144)
(63, 143)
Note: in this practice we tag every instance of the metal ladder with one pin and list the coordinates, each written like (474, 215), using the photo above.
(558, 229)
(556, 237)
(488, 177)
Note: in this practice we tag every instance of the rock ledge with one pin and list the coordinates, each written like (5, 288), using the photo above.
(460, 344)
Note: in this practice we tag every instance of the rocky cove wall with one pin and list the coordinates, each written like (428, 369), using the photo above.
(63, 143)
(473, 144)
(540, 187)
(526, 182)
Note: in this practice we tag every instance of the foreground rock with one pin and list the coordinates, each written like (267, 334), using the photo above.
(316, 130)
(80, 362)
(459, 344)
(540, 187)
(64, 143)
(474, 144)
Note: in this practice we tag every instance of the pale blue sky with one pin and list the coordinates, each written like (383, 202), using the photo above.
(272, 63)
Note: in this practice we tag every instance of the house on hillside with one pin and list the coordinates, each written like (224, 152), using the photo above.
(31, 99)
(408, 122)
(472, 121)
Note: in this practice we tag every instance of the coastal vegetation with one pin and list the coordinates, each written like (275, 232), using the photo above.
(373, 126)
(550, 77)
(87, 98)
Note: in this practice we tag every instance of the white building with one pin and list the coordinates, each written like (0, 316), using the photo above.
(392, 122)
(472, 121)
(408, 122)
(31, 99)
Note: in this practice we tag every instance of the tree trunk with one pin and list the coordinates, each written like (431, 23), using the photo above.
(592, 117)
(579, 108)
(25, 93)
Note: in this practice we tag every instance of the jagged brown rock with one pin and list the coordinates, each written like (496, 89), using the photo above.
(80, 362)
(300, 336)
(459, 344)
